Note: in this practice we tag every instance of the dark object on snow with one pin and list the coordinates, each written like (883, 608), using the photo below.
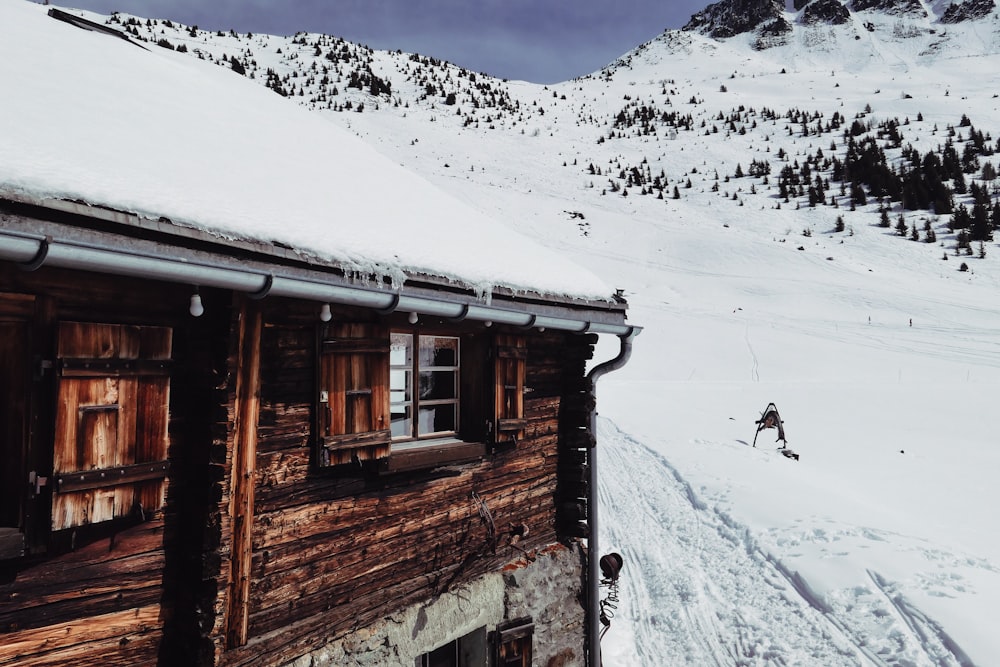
(771, 419)
(611, 565)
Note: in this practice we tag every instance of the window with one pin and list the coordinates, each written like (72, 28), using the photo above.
(109, 459)
(423, 381)
(104, 462)
(509, 374)
(513, 643)
(467, 651)
(410, 398)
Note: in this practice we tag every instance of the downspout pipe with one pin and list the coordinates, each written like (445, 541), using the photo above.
(593, 554)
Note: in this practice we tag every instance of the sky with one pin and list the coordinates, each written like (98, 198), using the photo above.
(541, 42)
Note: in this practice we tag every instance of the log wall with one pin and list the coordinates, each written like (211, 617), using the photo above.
(333, 552)
(325, 552)
(119, 592)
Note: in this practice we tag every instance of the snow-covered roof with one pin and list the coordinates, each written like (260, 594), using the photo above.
(91, 118)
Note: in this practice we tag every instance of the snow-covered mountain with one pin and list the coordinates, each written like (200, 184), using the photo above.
(779, 190)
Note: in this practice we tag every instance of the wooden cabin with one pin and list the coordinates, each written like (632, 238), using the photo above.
(225, 450)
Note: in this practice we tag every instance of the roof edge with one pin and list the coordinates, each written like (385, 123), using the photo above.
(192, 237)
(61, 243)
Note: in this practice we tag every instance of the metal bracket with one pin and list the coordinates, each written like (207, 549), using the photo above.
(37, 481)
(391, 308)
(263, 291)
(36, 262)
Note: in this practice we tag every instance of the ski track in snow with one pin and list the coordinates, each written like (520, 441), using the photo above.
(698, 589)
(754, 369)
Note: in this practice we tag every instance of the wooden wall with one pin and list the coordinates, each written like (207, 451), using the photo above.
(321, 552)
(117, 593)
(333, 552)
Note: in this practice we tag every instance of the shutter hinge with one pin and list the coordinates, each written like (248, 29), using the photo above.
(44, 366)
(37, 481)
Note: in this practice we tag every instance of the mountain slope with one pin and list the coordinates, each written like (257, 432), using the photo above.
(633, 127)
(877, 546)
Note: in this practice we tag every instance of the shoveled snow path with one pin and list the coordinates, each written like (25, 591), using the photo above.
(697, 588)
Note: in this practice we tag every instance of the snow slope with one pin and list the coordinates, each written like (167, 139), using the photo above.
(879, 546)
(162, 135)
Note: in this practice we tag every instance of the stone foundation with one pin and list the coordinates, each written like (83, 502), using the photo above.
(547, 590)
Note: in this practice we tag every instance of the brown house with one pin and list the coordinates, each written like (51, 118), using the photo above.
(227, 450)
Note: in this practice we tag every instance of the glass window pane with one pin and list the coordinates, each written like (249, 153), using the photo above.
(401, 349)
(402, 422)
(438, 418)
(399, 386)
(438, 351)
(435, 385)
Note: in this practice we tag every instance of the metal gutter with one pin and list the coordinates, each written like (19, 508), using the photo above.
(186, 235)
(593, 555)
(32, 252)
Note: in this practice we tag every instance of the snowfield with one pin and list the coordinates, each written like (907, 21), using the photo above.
(879, 546)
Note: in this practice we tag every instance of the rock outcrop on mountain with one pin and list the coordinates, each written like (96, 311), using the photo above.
(825, 11)
(968, 11)
(772, 34)
(773, 22)
(892, 7)
(734, 17)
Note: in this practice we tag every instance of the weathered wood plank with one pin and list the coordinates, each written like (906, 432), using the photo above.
(88, 603)
(123, 638)
(404, 540)
(243, 474)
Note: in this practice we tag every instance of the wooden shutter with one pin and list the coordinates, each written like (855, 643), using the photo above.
(110, 449)
(353, 415)
(510, 360)
(513, 643)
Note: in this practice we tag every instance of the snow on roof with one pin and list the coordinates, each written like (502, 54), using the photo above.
(92, 118)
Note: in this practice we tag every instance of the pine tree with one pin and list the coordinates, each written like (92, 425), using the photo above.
(883, 220)
(901, 227)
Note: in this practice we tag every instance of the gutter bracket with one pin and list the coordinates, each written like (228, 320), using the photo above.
(391, 308)
(263, 291)
(36, 262)
(461, 316)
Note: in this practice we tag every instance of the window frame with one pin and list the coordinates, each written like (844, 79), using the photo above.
(489, 372)
(413, 371)
(471, 649)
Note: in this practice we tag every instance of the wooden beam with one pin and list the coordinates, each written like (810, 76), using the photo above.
(243, 472)
(100, 478)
